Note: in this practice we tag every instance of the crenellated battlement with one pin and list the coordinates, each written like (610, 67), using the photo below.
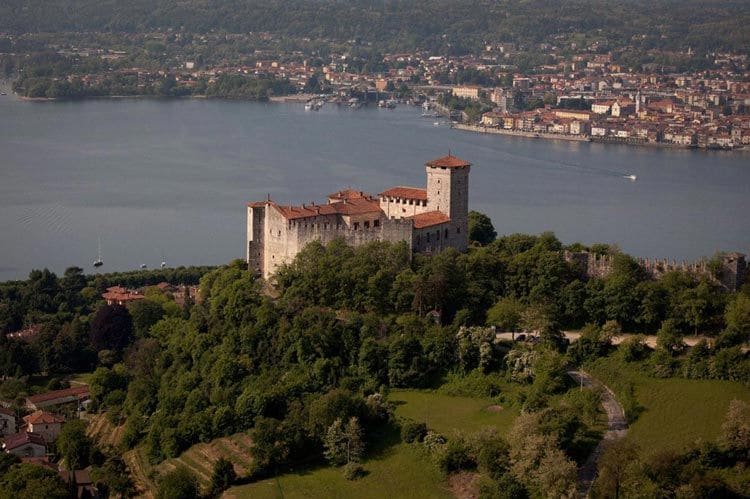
(729, 271)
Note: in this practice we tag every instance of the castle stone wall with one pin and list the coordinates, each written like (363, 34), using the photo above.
(731, 275)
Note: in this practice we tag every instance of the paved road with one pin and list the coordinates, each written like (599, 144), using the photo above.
(617, 427)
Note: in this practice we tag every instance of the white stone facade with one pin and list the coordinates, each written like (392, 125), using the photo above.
(428, 220)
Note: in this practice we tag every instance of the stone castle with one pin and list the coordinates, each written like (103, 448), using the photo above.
(429, 219)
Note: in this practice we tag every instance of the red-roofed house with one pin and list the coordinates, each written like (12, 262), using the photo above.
(44, 423)
(427, 219)
(25, 444)
(117, 295)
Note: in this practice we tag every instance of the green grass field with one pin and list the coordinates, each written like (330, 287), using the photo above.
(399, 470)
(676, 412)
(446, 414)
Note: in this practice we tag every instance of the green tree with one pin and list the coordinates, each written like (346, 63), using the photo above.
(344, 443)
(111, 328)
(669, 339)
(29, 481)
(506, 314)
(145, 313)
(74, 445)
(223, 476)
(481, 230)
(737, 314)
(270, 446)
(613, 468)
(178, 484)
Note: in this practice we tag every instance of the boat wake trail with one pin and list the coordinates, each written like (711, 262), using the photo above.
(52, 218)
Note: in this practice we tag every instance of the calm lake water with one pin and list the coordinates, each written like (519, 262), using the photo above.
(169, 180)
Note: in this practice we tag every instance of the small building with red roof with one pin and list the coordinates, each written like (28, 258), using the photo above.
(25, 444)
(44, 423)
(428, 219)
(75, 394)
(117, 295)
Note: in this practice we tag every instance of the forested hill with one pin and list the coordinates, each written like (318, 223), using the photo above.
(408, 24)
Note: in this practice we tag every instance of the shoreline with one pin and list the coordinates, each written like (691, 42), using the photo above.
(520, 133)
(588, 138)
(302, 98)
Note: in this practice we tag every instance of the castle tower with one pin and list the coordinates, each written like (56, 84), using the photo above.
(448, 193)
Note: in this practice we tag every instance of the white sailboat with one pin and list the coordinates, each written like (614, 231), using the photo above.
(99, 262)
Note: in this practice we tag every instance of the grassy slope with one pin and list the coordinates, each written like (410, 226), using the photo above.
(676, 412)
(398, 471)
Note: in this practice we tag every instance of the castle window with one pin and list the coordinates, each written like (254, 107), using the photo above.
(367, 224)
(458, 230)
(437, 235)
(356, 225)
(376, 223)
(419, 239)
(446, 233)
(428, 237)
(411, 201)
(279, 233)
(403, 210)
(438, 181)
(424, 203)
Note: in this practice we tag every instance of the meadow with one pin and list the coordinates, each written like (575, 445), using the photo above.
(674, 413)
(394, 469)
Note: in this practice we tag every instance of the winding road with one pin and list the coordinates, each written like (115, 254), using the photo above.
(617, 427)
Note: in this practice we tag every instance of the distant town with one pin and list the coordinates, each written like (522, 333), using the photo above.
(574, 92)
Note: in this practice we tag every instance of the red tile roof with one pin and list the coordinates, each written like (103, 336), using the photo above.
(7, 412)
(405, 193)
(448, 161)
(120, 294)
(347, 194)
(43, 417)
(360, 206)
(18, 439)
(429, 219)
(78, 391)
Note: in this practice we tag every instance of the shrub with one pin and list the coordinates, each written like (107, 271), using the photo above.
(412, 431)
(634, 349)
(353, 471)
(457, 456)
(434, 442)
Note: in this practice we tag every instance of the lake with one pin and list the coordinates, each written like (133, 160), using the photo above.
(168, 180)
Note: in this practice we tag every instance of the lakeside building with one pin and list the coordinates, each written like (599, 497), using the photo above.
(428, 219)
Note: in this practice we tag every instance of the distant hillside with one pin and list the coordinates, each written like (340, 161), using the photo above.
(456, 24)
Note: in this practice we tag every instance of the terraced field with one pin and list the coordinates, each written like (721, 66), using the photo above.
(199, 459)
(101, 431)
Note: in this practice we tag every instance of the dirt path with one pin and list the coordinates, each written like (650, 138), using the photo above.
(617, 427)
